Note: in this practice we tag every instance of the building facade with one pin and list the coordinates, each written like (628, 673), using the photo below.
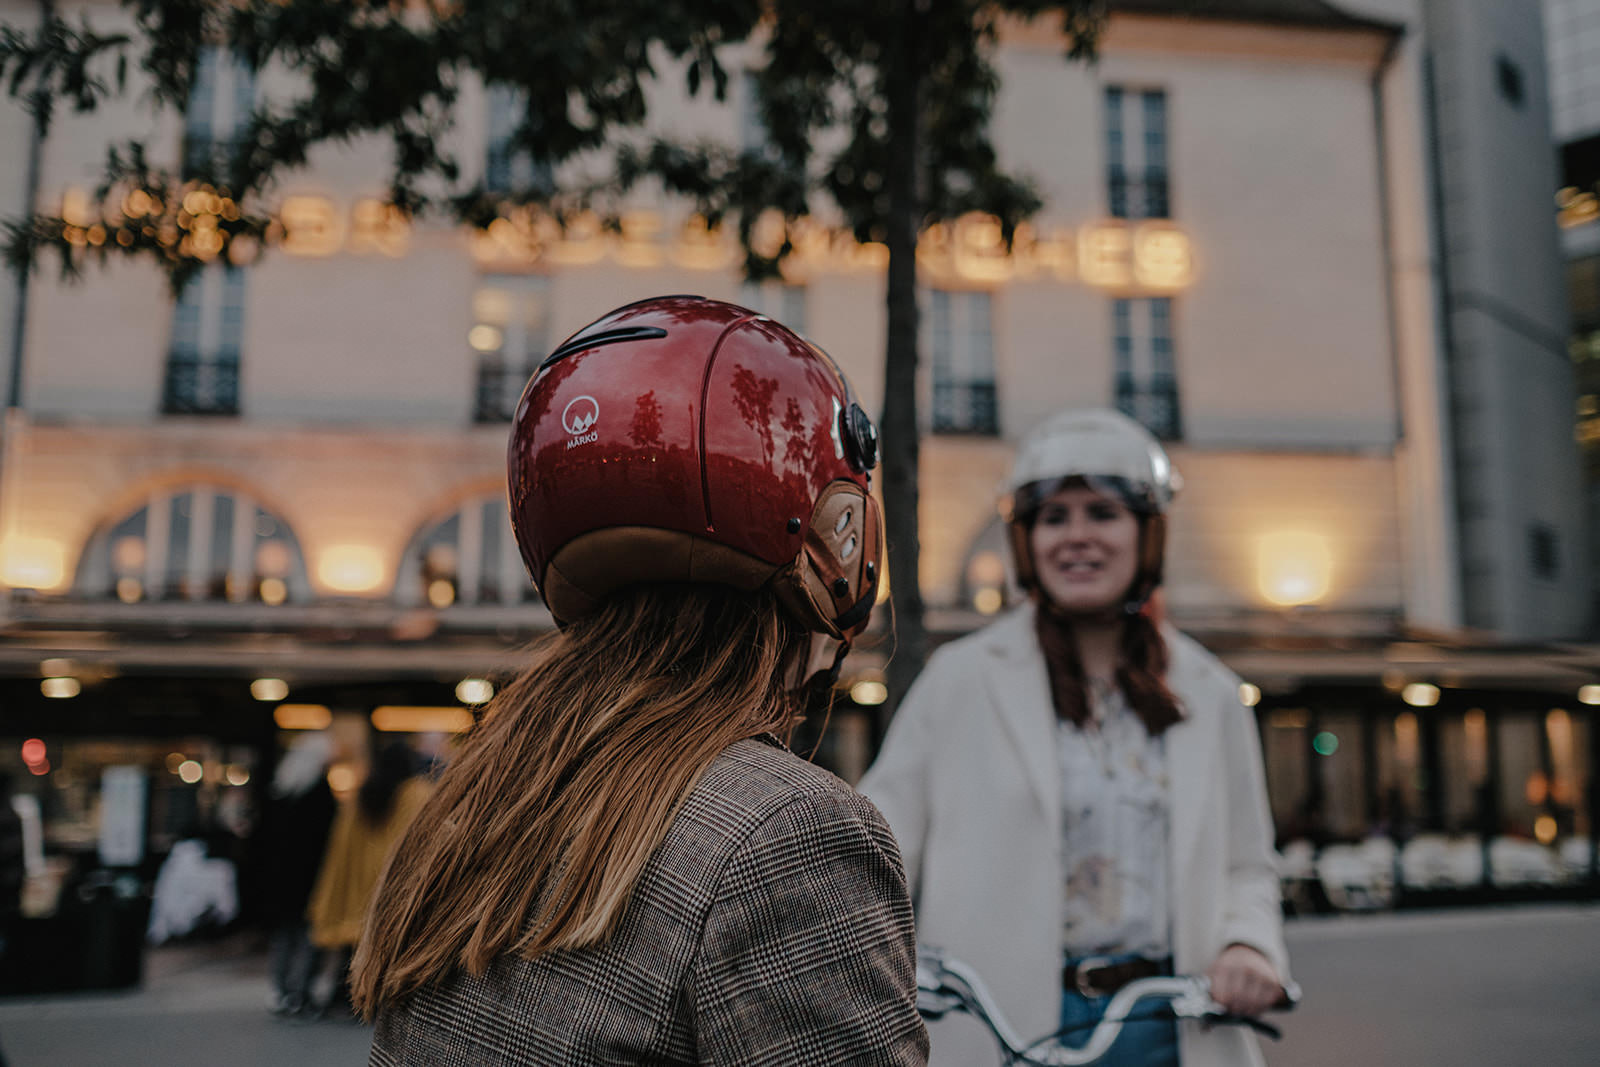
(275, 500)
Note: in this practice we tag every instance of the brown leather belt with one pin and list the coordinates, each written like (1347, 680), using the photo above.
(1096, 976)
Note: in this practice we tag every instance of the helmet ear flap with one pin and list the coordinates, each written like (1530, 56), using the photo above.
(1153, 549)
(1021, 554)
(1152, 560)
(832, 585)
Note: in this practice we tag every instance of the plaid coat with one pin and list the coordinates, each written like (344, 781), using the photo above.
(772, 926)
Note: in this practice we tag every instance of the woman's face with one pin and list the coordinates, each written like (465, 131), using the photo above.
(1085, 549)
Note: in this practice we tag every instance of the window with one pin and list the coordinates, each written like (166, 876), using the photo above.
(203, 355)
(510, 167)
(467, 557)
(510, 335)
(1146, 386)
(777, 300)
(1544, 551)
(220, 101)
(962, 345)
(199, 542)
(1137, 185)
(1508, 76)
(752, 130)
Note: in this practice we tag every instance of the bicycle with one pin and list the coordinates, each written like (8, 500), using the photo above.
(945, 984)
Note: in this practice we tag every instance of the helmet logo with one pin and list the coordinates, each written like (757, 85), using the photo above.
(578, 419)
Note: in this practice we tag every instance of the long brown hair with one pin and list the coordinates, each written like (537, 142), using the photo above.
(1142, 661)
(542, 823)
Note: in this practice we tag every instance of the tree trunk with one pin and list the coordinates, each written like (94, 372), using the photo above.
(901, 443)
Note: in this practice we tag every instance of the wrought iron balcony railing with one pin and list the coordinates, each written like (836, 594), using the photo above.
(197, 386)
(499, 388)
(965, 407)
(1139, 198)
(1154, 404)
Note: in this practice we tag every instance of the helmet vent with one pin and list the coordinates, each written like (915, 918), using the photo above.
(844, 520)
(604, 337)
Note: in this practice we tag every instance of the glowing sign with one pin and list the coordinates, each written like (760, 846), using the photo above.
(1161, 257)
(378, 226)
(311, 226)
(1153, 256)
(702, 247)
(1105, 254)
(638, 241)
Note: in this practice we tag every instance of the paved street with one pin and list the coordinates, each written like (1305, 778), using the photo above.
(199, 1005)
(1512, 987)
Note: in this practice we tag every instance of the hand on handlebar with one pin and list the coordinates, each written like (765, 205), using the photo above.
(945, 985)
(1244, 981)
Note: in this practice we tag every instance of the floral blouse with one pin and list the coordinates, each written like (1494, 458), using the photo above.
(1114, 829)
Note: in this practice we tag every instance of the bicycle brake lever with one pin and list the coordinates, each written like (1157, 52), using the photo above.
(1290, 999)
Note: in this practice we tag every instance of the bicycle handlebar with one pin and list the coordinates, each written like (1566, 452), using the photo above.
(945, 984)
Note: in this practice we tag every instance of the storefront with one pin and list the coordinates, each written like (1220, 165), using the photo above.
(1423, 795)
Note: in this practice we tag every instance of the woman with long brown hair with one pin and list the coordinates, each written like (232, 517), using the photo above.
(1077, 788)
(624, 863)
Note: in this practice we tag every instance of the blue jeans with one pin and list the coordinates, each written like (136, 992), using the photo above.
(1144, 1042)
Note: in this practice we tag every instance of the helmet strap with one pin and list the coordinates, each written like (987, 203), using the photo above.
(818, 665)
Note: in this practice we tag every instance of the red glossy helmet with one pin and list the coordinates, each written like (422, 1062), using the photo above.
(681, 439)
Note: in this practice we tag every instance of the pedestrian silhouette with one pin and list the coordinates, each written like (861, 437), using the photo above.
(293, 839)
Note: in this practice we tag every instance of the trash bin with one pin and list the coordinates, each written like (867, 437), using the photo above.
(112, 909)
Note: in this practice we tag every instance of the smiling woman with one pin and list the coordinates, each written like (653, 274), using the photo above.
(1085, 547)
(1100, 758)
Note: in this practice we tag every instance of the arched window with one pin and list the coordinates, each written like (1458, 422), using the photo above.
(466, 557)
(198, 542)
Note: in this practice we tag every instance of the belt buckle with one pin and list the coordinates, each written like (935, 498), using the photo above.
(1081, 974)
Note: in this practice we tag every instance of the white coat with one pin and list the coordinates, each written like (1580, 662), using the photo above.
(969, 781)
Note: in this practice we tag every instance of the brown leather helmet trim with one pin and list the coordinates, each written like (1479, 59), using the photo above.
(837, 574)
(1022, 553)
(589, 568)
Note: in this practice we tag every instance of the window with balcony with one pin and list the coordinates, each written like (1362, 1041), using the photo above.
(197, 542)
(509, 337)
(220, 101)
(961, 347)
(1137, 182)
(202, 376)
(467, 557)
(753, 135)
(1146, 385)
(508, 166)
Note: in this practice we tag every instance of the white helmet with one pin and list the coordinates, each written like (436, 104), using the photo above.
(1096, 444)
(1111, 453)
